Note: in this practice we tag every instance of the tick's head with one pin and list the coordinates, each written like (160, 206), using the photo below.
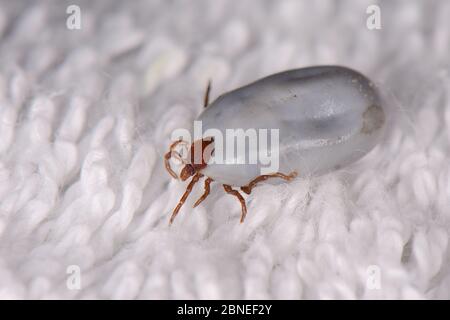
(187, 172)
(199, 154)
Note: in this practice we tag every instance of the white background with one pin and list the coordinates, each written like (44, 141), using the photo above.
(85, 116)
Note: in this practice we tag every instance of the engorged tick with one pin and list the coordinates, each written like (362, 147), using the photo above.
(315, 135)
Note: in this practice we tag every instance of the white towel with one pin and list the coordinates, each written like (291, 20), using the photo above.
(86, 115)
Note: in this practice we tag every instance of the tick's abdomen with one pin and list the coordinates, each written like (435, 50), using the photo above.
(327, 117)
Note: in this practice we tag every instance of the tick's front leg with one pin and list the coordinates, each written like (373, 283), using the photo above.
(248, 188)
(235, 193)
(185, 195)
(169, 154)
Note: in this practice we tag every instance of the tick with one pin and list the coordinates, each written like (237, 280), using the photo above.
(326, 118)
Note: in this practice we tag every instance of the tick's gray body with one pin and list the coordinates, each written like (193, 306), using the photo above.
(327, 117)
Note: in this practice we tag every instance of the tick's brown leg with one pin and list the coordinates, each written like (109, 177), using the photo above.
(235, 193)
(168, 155)
(206, 97)
(177, 156)
(185, 195)
(206, 193)
(248, 188)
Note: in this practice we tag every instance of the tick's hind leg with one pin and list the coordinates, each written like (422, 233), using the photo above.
(206, 97)
(248, 188)
(185, 195)
(171, 153)
(235, 193)
(206, 193)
